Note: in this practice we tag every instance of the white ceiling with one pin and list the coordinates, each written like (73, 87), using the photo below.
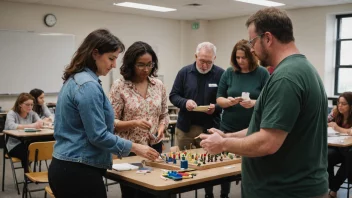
(210, 9)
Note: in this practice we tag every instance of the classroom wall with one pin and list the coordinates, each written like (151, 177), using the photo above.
(174, 40)
(314, 31)
(164, 35)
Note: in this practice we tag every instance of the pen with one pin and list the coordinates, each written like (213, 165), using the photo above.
(162, 177)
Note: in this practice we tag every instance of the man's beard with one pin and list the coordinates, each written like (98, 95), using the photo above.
(264, 57)
(204, 72)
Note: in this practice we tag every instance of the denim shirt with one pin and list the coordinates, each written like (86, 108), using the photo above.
(84, 123)
(186, 87)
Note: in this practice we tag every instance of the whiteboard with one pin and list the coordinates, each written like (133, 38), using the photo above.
(31, 60)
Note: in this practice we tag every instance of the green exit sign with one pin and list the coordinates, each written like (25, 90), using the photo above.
(195, 25)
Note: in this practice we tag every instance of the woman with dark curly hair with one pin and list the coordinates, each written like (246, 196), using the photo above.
(340, 119)
(140, 102)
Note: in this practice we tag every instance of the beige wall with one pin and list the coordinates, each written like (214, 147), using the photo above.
(162, 34)
(314, 31)
(173, 40)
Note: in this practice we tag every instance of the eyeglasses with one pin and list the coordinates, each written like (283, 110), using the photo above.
(251, 42)
(28, 105)
(206, 62)
(143, 66)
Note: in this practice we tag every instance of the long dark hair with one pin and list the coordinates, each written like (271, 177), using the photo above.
(339, 116)
(252, 60)
(23, 97)
(136, 50)
(101, 40)
(36, 93)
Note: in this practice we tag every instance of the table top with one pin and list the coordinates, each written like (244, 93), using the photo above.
(172, 121)
(21, 133)
(340, 141)
(154, 181)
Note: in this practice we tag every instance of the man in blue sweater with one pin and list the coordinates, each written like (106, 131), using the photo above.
(196, 85)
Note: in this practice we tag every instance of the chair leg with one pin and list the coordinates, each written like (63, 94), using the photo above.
(45, 194)
(3, 170)
(196, 193)
(14, 177)
(106, 185)
(24, 193)
(47, 167)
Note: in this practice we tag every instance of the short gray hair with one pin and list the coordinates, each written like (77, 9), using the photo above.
(206, 45)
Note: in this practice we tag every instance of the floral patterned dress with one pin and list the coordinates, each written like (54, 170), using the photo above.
(129, 104)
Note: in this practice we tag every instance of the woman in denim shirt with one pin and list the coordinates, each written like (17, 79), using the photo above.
(84, 122)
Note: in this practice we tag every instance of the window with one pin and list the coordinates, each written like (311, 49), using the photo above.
(343, 67)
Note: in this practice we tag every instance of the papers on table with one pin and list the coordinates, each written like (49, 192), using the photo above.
(201, 108)
(31, 130)
(332, 132)
(124, 167)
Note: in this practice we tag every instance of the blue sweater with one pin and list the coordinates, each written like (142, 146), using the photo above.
(186, 87)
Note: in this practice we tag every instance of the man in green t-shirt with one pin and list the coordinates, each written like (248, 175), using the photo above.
(284, 148)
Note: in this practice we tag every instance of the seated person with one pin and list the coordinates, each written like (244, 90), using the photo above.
(21, 116)
(39, 105)
(340, 119)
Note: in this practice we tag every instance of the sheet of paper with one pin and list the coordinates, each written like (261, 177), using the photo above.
(201, 108)
(124, 167)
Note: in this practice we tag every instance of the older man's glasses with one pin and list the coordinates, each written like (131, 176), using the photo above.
(252, 41)
(206, 62)
(143, 66)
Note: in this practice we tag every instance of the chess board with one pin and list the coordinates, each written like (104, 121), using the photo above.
(226, 161)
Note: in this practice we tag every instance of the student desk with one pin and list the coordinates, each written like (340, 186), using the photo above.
(342, 141)
(152, 183)
(28, 137)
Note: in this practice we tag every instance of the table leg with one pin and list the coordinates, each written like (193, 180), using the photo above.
(347, 171)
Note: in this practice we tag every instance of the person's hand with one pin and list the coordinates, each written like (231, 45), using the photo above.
(247, 103)
(332, 125)
(190, 105)
(213, 143)
(160, 134)
(143, 124)
(38, 124)
(47, 120)
(145, 151)
(214, 130)
(234, 101)
(211, 109)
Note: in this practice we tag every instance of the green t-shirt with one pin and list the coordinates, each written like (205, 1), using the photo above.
(232, 84)
(293, 100)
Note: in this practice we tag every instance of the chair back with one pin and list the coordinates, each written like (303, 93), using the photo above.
(38, 151)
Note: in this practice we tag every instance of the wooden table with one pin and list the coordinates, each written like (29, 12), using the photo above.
(343, 141)
(28, 137)
(152, 183)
